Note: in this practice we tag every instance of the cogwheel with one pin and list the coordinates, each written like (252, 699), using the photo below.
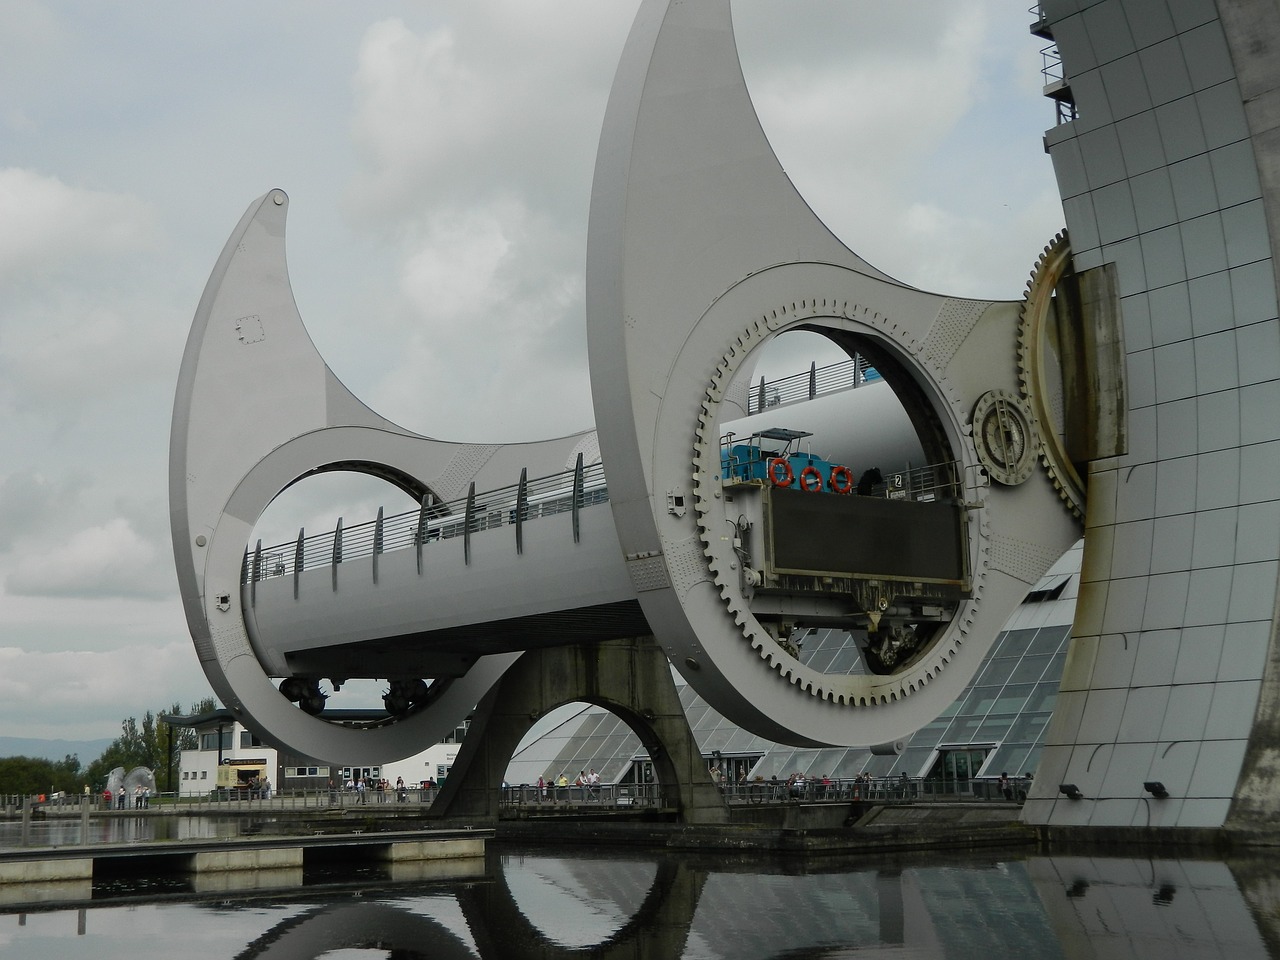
(1040, 372)
(1003, 437)
(850, 690)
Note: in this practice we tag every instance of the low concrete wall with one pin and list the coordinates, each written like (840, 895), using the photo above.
(261, 858)
(42, 871)
(460, 848)
(460, 868)
(246, 881)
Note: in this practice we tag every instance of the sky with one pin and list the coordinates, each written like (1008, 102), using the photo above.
(438, 156)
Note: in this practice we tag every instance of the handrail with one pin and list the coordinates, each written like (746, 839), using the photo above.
(814, 382)
(524, 500)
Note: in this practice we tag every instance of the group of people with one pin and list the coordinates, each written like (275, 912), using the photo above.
(1007, 786)
(141, 798)
(363, 786)
(588, 781)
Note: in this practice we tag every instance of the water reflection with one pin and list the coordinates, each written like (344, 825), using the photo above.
(67, 831)
(586, 904)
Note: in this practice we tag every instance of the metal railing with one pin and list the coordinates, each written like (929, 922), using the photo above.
(87, 821)
(26, 822)
(308, 798)
(569, 798)
(935, 481)
(1056, 86)
(433, 521)
(869, 790)
(817, 381)
(12, 806)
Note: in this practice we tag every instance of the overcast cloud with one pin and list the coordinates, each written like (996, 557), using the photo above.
(439, 158)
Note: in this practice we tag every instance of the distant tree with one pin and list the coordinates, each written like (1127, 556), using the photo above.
(127, 750)
(31, 776)
(171, 740)
(147, 744)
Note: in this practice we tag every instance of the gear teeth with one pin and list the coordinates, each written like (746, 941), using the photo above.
(705, 450)
(1049, 269)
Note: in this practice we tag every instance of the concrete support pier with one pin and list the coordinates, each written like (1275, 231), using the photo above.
(46, 871)
(282, 856)
(272, 858)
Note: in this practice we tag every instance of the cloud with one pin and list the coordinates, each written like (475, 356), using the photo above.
(495, 270)
(455, 274)
(897, 143)
(28, 499)
(46, 224)
(51, 693)
(106, 560)
(492, 305)
(495, 100)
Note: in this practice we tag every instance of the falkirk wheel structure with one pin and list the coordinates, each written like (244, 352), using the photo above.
(1131, 396)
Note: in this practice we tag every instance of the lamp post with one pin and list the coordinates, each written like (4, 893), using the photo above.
(168, 777)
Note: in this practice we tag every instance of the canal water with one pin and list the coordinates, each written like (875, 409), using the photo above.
(66, 831)
(527, 902)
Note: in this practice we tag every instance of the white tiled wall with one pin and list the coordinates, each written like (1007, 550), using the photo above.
(1183, 534)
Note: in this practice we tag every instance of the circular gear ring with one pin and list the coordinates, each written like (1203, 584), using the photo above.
(845, 689)
(1039, 371)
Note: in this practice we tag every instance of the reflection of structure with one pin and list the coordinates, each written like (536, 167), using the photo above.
(659, 926)
(1124, 907)
(655, 907)
(1147, 362)
(356, 926)
(1043, 907)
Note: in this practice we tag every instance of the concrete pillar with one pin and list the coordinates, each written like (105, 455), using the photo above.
(629, 677)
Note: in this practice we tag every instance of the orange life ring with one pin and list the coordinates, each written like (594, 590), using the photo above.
(780, 474)
(810, 480)
(841, 479)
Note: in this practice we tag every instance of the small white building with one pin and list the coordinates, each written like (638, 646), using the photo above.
(222, 741)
